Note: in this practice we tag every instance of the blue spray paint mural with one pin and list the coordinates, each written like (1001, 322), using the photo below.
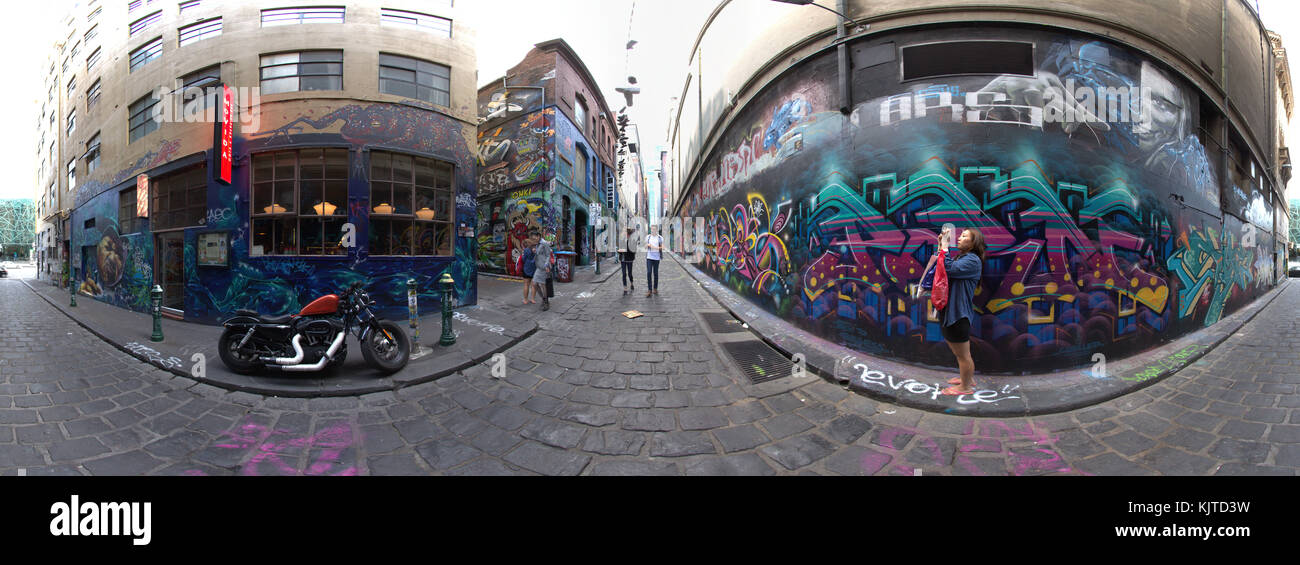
(829, 220)
(284, 284)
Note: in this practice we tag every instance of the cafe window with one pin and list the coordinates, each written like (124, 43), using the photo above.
(300, 202)
(179, 200)
(411, 208)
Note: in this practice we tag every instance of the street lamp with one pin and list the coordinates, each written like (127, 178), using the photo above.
(810, 2)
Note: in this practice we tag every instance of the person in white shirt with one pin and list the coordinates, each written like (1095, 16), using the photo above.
(654, 244)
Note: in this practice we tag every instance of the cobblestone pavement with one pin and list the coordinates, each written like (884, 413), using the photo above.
(593, 393)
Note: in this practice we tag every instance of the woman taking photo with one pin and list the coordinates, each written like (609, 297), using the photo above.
(963, 276)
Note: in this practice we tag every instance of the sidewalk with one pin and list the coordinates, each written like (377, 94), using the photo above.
(996, 395)
(482, 330)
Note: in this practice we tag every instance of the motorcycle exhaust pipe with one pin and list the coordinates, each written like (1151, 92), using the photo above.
(296, 359)
(329, 354)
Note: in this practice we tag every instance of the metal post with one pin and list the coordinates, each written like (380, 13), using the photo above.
(413, 308)
(72, 290)
(156, 295)
(448, 338)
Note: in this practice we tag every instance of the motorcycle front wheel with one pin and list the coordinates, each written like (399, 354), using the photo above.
(228, 347)
(387, 348)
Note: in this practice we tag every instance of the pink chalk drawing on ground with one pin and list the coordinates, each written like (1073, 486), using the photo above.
(273, 446)
(1031, 449)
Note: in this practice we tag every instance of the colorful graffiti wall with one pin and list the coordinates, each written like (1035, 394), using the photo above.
(527, 167)
(1103, 236)
(117, 268)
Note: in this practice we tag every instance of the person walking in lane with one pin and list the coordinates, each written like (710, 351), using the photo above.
(542, 257)
(963, 276)
(626, 258)
(654, 244)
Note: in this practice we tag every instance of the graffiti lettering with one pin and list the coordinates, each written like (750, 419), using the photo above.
(461, 317)
(154, 356)
(877, 378)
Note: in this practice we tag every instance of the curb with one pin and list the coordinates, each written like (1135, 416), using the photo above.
(394, 385)
(917, 386)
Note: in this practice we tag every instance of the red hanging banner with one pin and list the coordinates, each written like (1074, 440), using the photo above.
(227, 134)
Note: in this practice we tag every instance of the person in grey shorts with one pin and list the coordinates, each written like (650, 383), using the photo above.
(543, 257)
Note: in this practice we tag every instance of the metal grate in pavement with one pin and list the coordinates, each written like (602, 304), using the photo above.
(757, 360)
(721, 322)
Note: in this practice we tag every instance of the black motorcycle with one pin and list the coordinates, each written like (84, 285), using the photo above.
(314, 338)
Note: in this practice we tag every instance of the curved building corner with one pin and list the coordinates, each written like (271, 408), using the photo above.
(1127, 177)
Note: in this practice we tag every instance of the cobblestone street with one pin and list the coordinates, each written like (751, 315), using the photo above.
(594, 393)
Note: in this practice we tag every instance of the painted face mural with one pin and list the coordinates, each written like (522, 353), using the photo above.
(829, 221)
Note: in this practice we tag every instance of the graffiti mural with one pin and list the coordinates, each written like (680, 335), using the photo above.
(516, 153)
(518, 217)
(119, 268)
(829, 220)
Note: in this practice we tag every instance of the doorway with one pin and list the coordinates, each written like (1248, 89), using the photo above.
(169, 268)
(580, 236)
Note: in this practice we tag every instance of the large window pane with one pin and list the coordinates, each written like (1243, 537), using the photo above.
(307, 70)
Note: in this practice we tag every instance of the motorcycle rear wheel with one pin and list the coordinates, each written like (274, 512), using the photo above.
(228, 348)
(387, 355)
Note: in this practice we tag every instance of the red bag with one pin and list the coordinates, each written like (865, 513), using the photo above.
(939, 291)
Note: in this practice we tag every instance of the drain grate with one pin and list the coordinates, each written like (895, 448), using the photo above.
(721, 322)
(758, 360)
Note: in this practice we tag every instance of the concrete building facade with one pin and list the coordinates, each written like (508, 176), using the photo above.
(351, 155)
(1126, 173)
(546, 142)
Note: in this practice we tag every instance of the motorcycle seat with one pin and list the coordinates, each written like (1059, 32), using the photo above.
(265, 319)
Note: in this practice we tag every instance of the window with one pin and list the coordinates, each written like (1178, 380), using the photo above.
(92, 95)
(580, 112)
(94, 14)
(410, 204)
(92, 59)
(300, 202)
(132, 5)
(415, 20)
(580, 172)
(200, 31)
(143, 23)
(202, 79)
(146, 53)
(72, 121)
(308, 15)
(72, 174)
(126, 212)
(192, 4)
(140, 121)
(92, 154)
(415, 78)
(75, 49)
(308, 70)
(65, 64)
(72, 85)
(94, 30)
(179, 200)
(968, 58)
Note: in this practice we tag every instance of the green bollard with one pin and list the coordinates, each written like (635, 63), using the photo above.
(156, 296)
(448, 338)
(72, 292)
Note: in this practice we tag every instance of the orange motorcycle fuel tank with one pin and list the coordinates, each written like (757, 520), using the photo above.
(325, 305)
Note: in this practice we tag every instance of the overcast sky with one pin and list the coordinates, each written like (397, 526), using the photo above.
(598, 30)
